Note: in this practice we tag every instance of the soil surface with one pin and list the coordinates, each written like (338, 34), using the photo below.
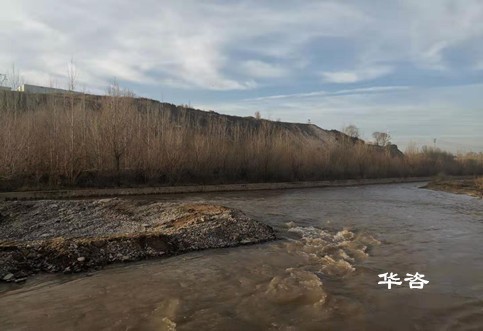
(78, 235)
(472, 187)
(127, 191)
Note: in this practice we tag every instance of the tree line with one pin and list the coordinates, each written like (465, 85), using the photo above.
(71, 141)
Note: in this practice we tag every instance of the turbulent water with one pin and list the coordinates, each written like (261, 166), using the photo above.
(322, 276)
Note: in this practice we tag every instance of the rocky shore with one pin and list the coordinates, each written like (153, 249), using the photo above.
(78, 235)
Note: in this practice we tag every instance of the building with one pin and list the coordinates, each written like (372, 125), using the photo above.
(28, 88)
(5, 88)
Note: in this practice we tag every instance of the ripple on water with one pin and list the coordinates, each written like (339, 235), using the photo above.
(280, 286)
(332, 254)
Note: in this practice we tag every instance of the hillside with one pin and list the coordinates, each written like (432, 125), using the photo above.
(11, 100)
(79, 140)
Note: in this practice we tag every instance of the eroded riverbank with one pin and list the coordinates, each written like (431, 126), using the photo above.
(77, 235)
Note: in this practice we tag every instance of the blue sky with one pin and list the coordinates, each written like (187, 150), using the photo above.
(412, 68)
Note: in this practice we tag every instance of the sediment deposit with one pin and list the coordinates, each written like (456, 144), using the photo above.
(78, 235)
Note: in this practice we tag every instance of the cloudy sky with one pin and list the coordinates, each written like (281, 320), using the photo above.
(410, 67)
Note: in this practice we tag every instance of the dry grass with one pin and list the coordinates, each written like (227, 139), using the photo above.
(75, 142)
(479, 183)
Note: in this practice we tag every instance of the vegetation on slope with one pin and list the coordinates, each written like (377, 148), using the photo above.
(75, 140)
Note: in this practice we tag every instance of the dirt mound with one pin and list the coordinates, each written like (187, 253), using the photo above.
(78, 235)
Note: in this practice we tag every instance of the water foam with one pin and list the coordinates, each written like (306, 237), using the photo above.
(332, 254)
(296, 286)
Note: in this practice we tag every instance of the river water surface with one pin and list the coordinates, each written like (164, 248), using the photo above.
(322, 276)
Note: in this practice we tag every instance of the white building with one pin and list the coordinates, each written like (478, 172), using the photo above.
(27, 88)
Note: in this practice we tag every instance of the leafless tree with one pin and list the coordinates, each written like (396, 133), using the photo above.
(258, 115)
(14, 79)
(351, 131)
(72, 75)
(381, 138)
(3, 79)
(116, 136)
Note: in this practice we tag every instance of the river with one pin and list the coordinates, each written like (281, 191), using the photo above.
(323, 274)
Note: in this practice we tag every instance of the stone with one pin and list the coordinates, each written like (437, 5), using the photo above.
(8, 277)
(81, 259)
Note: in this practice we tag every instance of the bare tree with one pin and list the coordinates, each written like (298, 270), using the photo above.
(258, 115)
(3, 79)
(52, 82)
(14, 79)
(114, 90)
(118, 119)
(72, 75)
(352, 131)
(115, 136)
(381, 138)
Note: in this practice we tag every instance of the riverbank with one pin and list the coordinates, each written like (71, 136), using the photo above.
(468, 186)
(79, 235)
(117, 192)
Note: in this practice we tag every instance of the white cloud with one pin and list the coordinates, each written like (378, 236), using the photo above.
(365, 90)
(260, 69)
(355, 76)
(199, 45)
(187, 45)
(284, 46)
(421, 32)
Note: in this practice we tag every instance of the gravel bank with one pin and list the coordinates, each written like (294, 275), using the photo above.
(78, 235)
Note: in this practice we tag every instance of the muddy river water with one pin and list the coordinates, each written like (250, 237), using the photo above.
(323, 274)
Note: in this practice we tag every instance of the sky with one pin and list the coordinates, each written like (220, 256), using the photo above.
(411, 68)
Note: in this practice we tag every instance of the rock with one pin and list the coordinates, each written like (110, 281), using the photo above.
(67, 270)
(8, 277)
(81, 259)
(20, 280)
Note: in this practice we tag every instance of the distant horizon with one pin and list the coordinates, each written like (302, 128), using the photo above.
(409, 68)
